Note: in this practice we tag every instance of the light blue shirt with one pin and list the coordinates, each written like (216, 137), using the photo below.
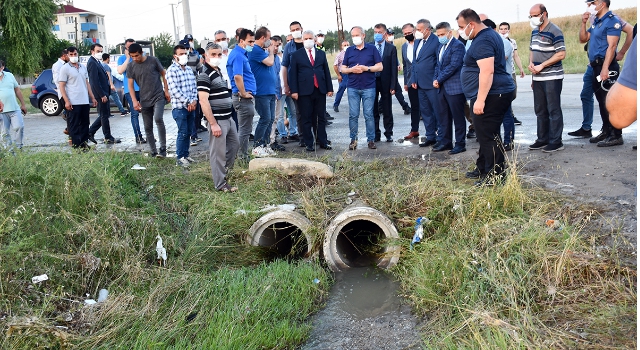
(8, 84)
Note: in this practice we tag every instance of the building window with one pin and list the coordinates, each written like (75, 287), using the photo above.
(70, 20)
(71, 35)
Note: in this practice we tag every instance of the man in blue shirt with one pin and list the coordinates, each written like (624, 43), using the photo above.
(243, 87)
(490, 89)
(361, 61)
(123, 63)
(289, 48)
(622, 102)
(603, 37)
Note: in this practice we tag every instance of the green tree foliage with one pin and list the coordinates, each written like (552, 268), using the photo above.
(51, 56)
(26, 33)
(163, 44)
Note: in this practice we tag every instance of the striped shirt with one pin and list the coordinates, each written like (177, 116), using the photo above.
(211, 81)
(543, 46)
(182, 86)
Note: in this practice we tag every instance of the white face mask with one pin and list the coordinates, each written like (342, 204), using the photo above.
(462, 34)
(73, 59)
(419, 35)
(505, 35)
(320, 40)
(357, 40)
(592, 9)
(215, 61)
(296, 34)
(182, 60)
(309, 44)
(345, 48)
(98, 56)
(535, 21)
(224, 45)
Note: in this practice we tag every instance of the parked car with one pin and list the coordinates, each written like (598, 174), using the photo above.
(44, 95)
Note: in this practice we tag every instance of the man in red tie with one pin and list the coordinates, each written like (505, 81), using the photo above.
(310, 84)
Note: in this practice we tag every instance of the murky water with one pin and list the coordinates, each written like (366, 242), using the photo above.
(364, 312)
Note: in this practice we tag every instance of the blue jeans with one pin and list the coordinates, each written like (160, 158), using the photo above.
(341, 88)
(509, 126)
(367, 97)
(116, 99)
(12, 124)
(548, 109)
(586, 95)
(184, 119)
(265, 106)
(135, 122)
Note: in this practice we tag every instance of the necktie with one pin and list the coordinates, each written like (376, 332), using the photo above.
(313, 63)
(379, 51)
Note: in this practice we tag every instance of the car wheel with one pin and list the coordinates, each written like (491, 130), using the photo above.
(50, 106)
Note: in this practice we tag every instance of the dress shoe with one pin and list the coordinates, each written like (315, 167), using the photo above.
(377, 139)
(294, 138)
(335, 109)
(112, 141)
(284, 140)
(471, 134)
(326, 146)
(329, 123)
(581, 133)
(427, 143)
(389, 139)
(601, 137)
(407, 110)
(371, 145)
(353, 145)
(475, 174)
(140, 140)
(329, 117)
(412, 135)
(457, 149)
(612, 140)
(310, 149)
(92, 139)
(441, 148)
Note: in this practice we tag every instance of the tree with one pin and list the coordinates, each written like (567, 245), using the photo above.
(26, 33)
(163, 45)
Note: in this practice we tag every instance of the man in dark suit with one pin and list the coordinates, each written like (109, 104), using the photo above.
(99, 82)
(408, 30)
(450, 95)
(385, 81)
(310, 84)
(424, 66)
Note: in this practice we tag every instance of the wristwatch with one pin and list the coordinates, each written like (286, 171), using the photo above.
(368, 69)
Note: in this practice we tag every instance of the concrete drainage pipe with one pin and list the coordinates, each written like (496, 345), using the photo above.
(355, 238)
(284, 232)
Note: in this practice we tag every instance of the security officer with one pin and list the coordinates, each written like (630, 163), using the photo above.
(603, 37)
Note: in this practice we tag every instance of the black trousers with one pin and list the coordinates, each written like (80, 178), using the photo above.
(487, 126)
(452, 113)
(399, 96)
(78, 125)
(601, 96)
(387, 117)
(415, 108)
(312, 108)
(103, 120)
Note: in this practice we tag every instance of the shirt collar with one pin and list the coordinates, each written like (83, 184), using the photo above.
(606, 15)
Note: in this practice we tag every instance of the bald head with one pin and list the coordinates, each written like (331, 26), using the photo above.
(538, 8)
(483, 16)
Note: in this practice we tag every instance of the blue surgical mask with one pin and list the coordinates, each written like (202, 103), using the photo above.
(249, 48)
(443, 40)
(377, 37)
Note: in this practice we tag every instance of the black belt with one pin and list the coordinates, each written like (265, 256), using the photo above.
(597, 62)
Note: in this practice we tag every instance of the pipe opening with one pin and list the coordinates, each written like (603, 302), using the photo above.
(359, 243)
(284, 240)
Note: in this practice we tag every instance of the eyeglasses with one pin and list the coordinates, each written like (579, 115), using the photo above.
(538, 15)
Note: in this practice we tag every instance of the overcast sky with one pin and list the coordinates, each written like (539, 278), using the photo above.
(140, 19)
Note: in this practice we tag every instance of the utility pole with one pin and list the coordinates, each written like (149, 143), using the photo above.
(517, 13)
(187, 17)
(75, 20)
(340, 27)
(175, 29)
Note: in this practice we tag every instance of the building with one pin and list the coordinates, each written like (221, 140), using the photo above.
(90, 25)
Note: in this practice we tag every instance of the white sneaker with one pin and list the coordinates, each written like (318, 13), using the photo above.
(270, 151)
(260, 151)
(183, 162)
(190, 160)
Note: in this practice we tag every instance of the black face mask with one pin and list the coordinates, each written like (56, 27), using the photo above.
(409, 37)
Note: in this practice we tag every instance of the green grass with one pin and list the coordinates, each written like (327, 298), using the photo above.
(26, 92)
(489, 273)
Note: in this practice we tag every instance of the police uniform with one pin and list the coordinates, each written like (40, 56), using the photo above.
(607, 25)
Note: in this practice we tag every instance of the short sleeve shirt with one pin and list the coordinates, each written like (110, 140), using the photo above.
(367, 56)
(338, 60)
(628, 76)
(147, 74)
(607, 25)
(126, 83)
(264, 75)
(544, 44)
(76, 83)
(486, 44)
(238, 64)
(8, 92)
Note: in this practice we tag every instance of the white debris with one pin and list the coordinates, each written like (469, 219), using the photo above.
(138, 167)
(90, 301)
(102, 295)
(38, 279)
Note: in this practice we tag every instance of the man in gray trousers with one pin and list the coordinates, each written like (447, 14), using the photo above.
(215, 100)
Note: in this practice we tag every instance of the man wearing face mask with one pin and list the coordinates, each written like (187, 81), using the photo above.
(261, 60)
(182, 89)
(546, 52)
(123, 63)
(594, 11)
(361, 62)
(73, 80)
(10, 112)
(408, 30)
(449, 88)
(215, 100)
(385, 82)
(243, 87)
(55, 69)
(220, 38)
(490, 89)
(310, 83)
(399, 96)
(99, 81)
(292, 46)
(343, 79)
(425, 56)
(504, 29)
(320, 41)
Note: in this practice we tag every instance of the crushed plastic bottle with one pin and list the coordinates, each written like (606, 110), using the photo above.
(417, 237)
